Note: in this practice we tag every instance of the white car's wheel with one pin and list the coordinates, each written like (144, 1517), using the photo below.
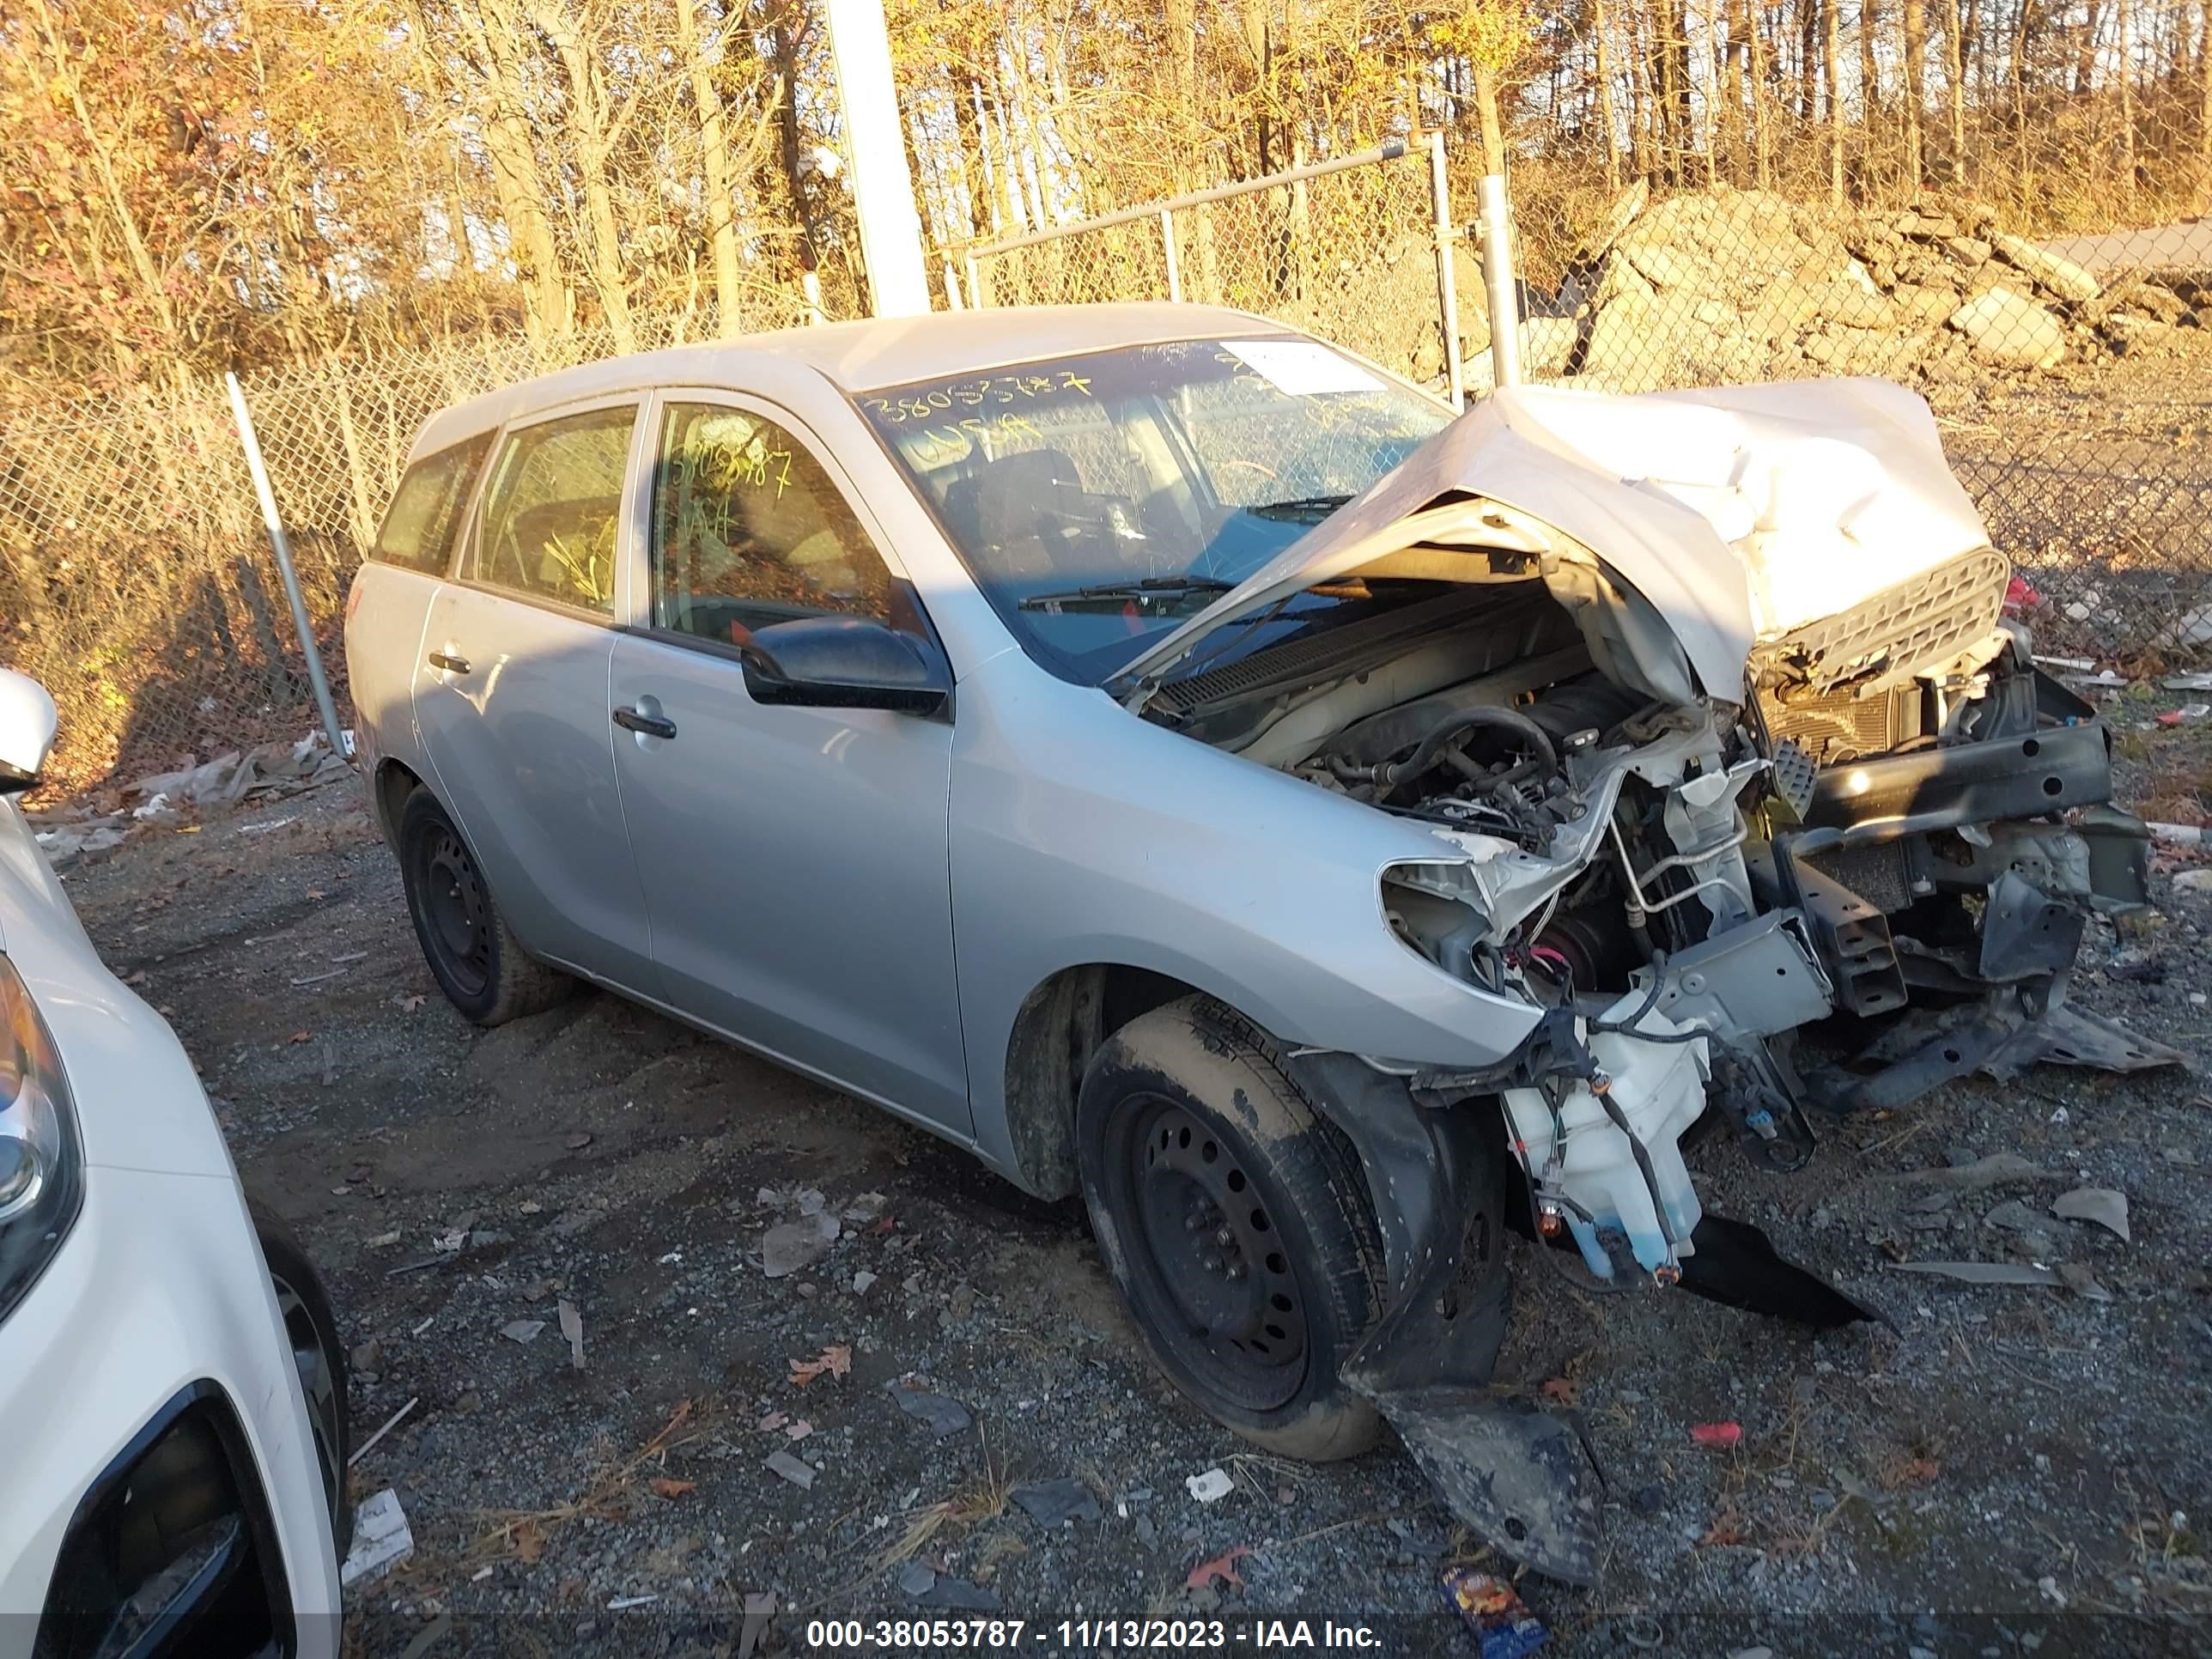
(319, 1357)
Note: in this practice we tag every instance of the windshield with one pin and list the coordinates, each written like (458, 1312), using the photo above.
(1099, 501)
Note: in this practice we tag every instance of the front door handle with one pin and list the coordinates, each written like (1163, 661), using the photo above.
(450, 663)
(651, 725)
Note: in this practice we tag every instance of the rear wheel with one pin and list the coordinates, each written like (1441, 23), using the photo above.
(1235, 1218)
(318, 1359)
(474, 955)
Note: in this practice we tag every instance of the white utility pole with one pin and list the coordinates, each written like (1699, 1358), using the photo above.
(882, 188)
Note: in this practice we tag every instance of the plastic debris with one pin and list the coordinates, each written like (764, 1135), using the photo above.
(958, 1596)
(1053, 1503)
(943, 1414)
(572, 1327)
(861, 1281)
(522, 1330)
(389, 1424)
(865, 1208)
(623, 1601)
(1717, 1434)
(2081, 1280)
(760, 1607)
(799, 1474)
(1982, 1272)
(1222, 1567)
(2102, 1205)
(1211, 1487)
(915, 1578)
(1503, 1625)
(1996, 1168)
(381, 1539)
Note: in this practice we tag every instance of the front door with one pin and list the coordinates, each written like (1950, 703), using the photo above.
(795, 859)
(512, 696)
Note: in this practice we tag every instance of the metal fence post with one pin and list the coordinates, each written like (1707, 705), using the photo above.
(975, 300)
(1447, 279)
(283, 551)
(1168, 247)
(1497, 280)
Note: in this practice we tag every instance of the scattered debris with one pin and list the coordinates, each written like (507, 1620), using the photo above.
(2198, 681)
(579, 1141)
(1052, 1504)
(1222, 1567)
(2081, 1280)
(668, 1486)
(862, 1282)
(760, 1607)
(1982, 1272)
(622, 1601)
(572, 1328)
(430, 1635)
(1503, 1625)
(384, 1241)
(2102, 1205)
(791, 1245)
(264, 828)
(943, 1414)
(915, 1577)
(1211, 1487)
(799, 1474)
(1991, 1172)
(835, 1360)
(2014, 1217)
(381, 1539)
(522, 1330)
(958, 1596)
(867, 1208)
(1717, 1434)
(389, 1422)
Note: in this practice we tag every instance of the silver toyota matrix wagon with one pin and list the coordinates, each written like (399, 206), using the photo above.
(1182, 763)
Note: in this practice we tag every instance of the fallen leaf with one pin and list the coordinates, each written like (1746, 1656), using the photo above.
(1559, 1389)
(1726, 1528)
(317, 892)
(836, 1359)
(408, 1005)
(797, 1430)
(1223, 1566)
(301, 1037)
(671, 1488)
(1915, 1471)
(529, 1542)
(1717, 1434)
(772, 1422)
(882, 1227)
(578, 1141)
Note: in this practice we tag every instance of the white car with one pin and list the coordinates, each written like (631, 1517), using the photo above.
(172, 1379)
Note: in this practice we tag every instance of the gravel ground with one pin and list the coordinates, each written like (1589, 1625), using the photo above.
(2011, 1470)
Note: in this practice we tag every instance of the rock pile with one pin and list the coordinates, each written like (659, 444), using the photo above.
(1725, 285)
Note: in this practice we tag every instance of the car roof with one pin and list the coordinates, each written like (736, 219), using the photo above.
(857, 356)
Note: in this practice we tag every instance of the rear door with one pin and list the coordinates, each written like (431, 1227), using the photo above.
(795, 858)
(510, 692)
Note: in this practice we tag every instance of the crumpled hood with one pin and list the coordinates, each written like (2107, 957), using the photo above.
(1739, 513)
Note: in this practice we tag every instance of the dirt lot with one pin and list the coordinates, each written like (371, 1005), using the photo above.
(2012, 1470)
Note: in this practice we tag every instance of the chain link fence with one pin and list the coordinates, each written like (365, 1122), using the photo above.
(136, 579)
(1346, 249)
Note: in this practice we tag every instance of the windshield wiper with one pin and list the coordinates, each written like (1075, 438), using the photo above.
(1115, 593)
(1300, 506)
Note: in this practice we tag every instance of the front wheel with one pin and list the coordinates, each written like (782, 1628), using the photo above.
(1235, 1219)
(318, 1359)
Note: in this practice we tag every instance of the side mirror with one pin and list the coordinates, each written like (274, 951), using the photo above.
(845, 662)
(28, 723)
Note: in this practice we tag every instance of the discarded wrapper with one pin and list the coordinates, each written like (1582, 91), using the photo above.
(381, 1539)
(1496, 1614)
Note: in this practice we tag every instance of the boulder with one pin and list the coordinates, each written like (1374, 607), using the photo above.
(2061, 276)
(2010, 330)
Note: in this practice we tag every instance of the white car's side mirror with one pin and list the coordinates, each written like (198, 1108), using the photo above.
(27, 721)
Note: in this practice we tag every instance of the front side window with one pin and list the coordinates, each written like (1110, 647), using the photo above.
(418, 526)
(554, 504)
(1099, 501)
(749, 530)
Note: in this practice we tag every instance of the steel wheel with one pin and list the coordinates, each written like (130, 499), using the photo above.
(457, 908)
(1208, 1254)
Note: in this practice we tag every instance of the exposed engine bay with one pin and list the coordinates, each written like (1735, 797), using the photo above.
(1901, 811)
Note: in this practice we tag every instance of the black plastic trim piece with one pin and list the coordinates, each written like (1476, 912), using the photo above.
(1987, 782)
(207, 1398)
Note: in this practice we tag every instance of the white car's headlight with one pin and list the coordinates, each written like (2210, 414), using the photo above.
(41, 1165)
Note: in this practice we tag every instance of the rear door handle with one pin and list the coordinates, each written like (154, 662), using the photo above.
(651, 725)
(450, 663)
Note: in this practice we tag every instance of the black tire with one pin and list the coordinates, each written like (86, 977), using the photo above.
(1200, 1158)
(473, 955)
(318, 1359)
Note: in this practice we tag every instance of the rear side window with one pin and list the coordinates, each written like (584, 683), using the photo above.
(418, 527)
(550, 515)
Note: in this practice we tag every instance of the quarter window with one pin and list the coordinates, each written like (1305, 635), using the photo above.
(550, 519)
(749, 530)
(418, 526)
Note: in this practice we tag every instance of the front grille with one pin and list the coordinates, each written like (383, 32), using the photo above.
(1912, 626)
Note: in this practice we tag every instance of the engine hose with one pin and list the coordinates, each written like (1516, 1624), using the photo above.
(1602, 1088)
(1389, 773)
